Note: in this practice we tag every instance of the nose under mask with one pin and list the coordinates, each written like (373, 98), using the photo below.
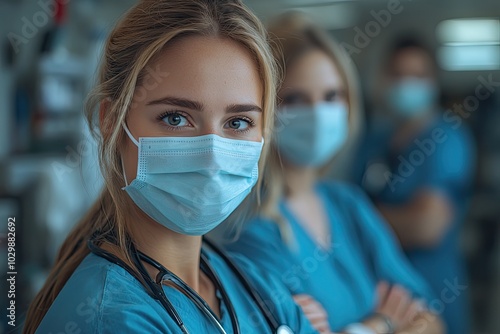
(311, 135)
(191, 184)
(412, 97)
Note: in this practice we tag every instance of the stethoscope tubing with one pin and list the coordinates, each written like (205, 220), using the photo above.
(155, 291)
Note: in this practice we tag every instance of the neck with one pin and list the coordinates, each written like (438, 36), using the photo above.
(177, 252)
(419, 122)
(409, 129)
(299, 180)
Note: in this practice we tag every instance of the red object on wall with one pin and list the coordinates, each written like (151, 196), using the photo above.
(60, 14)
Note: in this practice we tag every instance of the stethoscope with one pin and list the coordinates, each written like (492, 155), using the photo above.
(155, 290)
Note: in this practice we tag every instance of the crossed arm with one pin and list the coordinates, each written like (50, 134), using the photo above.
(406, 315)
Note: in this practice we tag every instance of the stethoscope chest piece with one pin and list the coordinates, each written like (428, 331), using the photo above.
(284, 329)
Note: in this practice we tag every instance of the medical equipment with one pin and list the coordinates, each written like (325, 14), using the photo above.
(164, 275)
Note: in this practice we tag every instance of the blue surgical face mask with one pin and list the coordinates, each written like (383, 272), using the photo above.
(412, 97)
(311, 135)
(191, 184)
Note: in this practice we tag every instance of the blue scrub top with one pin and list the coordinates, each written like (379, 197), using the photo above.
(102, 297)
(343, 278)
(440, 158)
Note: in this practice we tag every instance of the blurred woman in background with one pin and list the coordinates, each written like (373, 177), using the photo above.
(185, 93)
(324, 239)
(417, 165)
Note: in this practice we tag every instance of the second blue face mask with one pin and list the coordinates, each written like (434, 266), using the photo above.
(191, 184)
(411, 97)
(311, 135)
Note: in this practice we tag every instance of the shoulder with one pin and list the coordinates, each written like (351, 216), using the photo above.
(262, 242)
(271, 290)
(379, 127)
(98, 296)
(264, 281)
(252, 272)
(260, 239)
(451, 136)
(355, 207)
(261, 229)
(453, 145)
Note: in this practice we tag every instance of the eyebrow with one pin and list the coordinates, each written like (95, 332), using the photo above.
(178, 102)
(236, 108)
(194, 105)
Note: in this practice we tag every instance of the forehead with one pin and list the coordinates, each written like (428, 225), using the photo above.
(412, 60)
(212, 68)
(314, 67)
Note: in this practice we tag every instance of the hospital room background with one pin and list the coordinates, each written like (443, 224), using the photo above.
(49, 175)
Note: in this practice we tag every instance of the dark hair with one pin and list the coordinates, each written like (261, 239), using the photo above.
(405, 42)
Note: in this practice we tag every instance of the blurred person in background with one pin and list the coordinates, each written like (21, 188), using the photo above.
(324, 239)
(417, 163)
(185, 92)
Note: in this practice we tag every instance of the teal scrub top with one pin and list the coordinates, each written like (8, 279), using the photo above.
(441, 158)
(343, 278)
(102, 297)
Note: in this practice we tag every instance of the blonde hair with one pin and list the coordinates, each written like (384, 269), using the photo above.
(294, 34)
(132, 45)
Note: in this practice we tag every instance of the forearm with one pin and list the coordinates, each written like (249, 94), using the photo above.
(420, 222)
(425, 323)
(401, 221)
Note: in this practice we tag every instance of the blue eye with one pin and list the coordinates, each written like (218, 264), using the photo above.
(175, 119)
(238, 124)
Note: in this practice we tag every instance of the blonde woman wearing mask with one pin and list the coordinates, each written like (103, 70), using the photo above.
(185, 91)
(323, 239)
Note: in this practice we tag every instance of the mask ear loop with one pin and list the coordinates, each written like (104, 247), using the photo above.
(129, 134)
